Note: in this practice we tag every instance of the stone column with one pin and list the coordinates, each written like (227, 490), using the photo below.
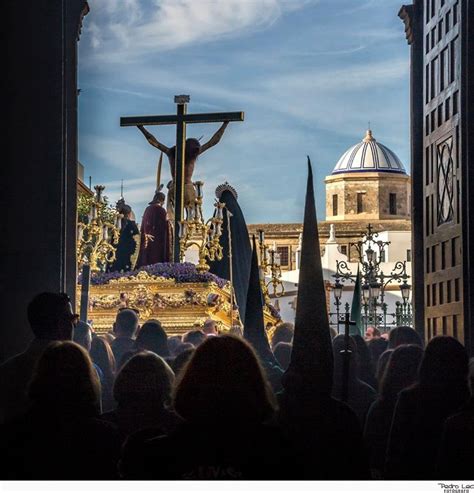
(40, 170)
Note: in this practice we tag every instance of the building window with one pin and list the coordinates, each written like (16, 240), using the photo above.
(393, 204)
(408, 255)
(283, 252)
(360, 202)
(455, 102)
(334, 205)
(344, 249)
(447, 109)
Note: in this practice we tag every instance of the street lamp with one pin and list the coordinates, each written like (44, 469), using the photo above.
(373, 278)
(405, 290)
(366, 292)
(338, 287)
(370, 255)
(337, 290)
(374, 290)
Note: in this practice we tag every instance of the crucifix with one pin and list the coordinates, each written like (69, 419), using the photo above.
(346, 354)
(178, 155)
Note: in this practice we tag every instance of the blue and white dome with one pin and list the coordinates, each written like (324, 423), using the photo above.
(369, 155)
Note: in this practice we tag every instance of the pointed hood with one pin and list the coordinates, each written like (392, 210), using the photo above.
(311, 358)
(254, 325)
(356, 315)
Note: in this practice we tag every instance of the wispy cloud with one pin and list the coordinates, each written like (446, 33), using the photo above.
(132, 28)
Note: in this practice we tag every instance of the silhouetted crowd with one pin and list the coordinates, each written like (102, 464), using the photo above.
(137, 404)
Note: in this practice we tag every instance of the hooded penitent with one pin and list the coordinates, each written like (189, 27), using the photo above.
(254, 325)
(241, 252)
(311, 358)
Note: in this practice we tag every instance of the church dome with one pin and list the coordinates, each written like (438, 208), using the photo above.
(369, 155)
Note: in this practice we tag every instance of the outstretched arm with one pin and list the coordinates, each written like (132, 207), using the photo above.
(152, 139)
(214, 139)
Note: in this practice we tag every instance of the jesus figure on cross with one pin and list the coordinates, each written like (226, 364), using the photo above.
(193, 149)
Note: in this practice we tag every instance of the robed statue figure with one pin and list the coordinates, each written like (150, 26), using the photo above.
(126, 244)
(154, 234)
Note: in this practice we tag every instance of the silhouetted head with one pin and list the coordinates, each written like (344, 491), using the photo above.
(158, 198)
(283, 333)
(282, 352)
(126, 211)
(401, 370)
(194, 337)
(103, 356)
(224, 382)
(152, 337)
(372, 333)
(365, 358)
(339, 345)
(173, 343)
(192, 150)
(183, 346)
(210, 327)
(236, 331)
(403, 335)
(444, 365)
(181, 359)
(82, 335)
(145, 379)
(381, 365)
(126, 323)
(377, 347)
(65, 381)
(193, 147)
(51, 317)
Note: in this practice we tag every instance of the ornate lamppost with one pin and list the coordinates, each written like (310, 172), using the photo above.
(269, 264)
(374, 279)
(205, 235)
(337, 291)
(98, 230)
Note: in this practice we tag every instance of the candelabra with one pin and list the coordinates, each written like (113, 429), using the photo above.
(373, 278)
(269, 264)
(98, 230)
(205, 235)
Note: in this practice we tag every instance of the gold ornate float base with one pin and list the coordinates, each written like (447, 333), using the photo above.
(178, 306)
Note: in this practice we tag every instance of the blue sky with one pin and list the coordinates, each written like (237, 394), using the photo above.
(309, 75)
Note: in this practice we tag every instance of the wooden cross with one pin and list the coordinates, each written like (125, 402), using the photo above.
(181, 119)
(346, 354)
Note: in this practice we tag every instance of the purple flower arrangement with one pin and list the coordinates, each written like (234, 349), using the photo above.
(181, 273)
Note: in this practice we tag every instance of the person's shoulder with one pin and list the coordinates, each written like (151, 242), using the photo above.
(461, 421)
(12, 366)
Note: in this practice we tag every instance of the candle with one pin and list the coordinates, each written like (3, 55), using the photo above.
(199, 188)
